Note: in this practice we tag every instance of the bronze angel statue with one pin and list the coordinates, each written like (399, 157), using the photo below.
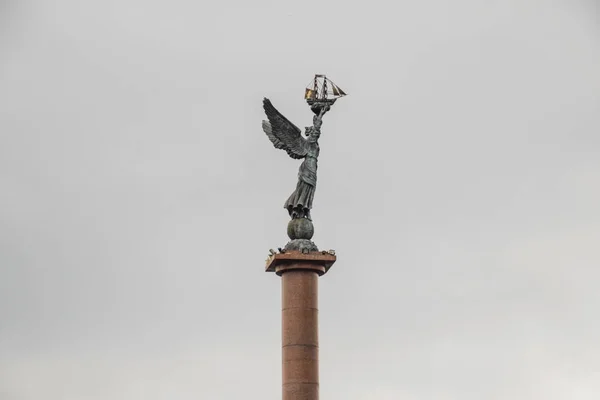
(287, 136)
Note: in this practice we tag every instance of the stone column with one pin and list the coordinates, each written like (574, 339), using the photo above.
(300, 328)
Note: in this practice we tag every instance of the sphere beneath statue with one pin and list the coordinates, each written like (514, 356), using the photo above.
(300, 228)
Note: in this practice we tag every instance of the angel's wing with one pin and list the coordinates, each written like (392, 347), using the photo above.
(283, 133)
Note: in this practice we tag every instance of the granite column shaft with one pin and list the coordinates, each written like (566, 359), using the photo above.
(300, 274)
(300, 335)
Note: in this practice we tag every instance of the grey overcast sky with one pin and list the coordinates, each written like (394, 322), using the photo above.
(459, 184)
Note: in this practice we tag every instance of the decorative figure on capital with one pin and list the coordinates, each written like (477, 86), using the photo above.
(320, 95)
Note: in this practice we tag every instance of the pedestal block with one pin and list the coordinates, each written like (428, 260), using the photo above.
(300, 325)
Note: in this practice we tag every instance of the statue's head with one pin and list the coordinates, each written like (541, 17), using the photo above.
(312, 134)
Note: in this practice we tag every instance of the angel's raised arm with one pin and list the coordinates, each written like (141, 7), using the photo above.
(318, 119)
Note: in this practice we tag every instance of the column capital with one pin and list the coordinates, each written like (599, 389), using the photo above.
(318, 261)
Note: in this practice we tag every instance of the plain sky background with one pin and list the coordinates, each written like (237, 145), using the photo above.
(459, 183)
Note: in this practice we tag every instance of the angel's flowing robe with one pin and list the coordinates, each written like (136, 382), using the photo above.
(302, 198)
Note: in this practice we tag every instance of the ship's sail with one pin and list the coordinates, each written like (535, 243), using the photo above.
(337, 91)
(322, 88)
(310, 94)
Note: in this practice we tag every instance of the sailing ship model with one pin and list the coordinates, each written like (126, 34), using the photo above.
(322, 92)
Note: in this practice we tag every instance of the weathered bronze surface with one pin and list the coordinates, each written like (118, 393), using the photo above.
(287, 136)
